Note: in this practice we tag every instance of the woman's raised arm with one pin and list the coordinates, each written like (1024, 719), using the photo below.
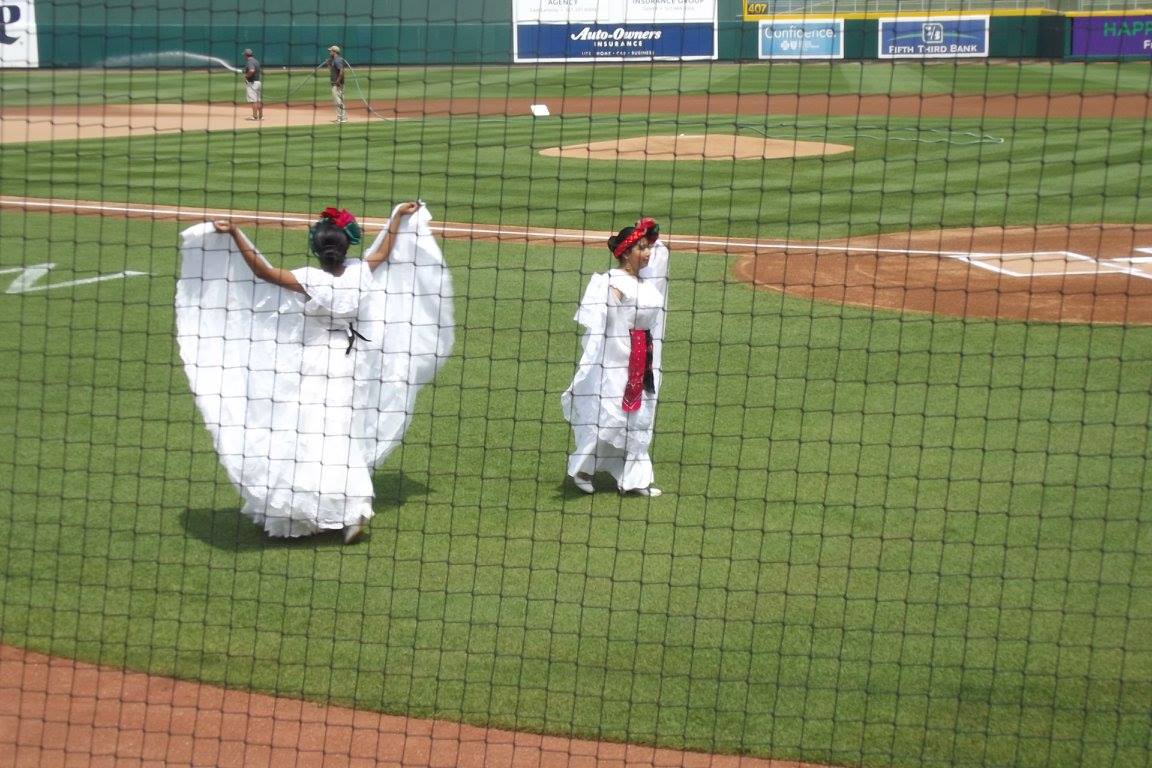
(256, 262)
(380, 255)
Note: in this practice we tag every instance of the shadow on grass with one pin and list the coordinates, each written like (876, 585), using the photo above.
(395, 489)
(602, 481)
(565, 491)
(231, 531)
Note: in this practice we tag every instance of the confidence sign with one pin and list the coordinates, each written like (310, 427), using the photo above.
(807, 39)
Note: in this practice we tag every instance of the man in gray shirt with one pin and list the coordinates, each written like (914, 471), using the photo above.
(253, 85)
(337, 67)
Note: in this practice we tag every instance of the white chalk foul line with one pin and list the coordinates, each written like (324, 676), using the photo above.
(727, 245)
(505, 231)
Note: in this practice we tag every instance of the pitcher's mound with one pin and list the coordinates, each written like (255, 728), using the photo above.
(710, 146)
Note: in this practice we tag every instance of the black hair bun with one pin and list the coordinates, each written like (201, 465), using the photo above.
(329, 242)
(619, 237)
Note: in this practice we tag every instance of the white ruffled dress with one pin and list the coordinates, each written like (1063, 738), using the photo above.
(305, 395)
(607, 437)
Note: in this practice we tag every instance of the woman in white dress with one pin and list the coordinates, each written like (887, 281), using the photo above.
(611, 402)
(307, 378)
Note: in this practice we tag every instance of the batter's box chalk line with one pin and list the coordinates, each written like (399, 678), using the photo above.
(1047, 263)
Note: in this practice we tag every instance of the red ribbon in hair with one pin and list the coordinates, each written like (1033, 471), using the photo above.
(623, 246)
(340, 217)
(639, 368)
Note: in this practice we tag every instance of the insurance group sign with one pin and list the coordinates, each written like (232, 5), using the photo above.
(19, 46)
(936, 37)
(614, 30)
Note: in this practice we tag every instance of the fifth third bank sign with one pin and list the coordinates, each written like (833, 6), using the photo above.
(936, 37)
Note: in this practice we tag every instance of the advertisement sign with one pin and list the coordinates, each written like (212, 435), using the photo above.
(626, 11)
(582, 42)
(19, 46)
(1112, 36)
(935, 37)
(613, 30)
(807, 39)
(756, 10)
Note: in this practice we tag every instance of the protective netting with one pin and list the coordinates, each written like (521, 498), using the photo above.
(883, 347)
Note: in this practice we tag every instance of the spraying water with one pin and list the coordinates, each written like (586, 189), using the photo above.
(168, 59)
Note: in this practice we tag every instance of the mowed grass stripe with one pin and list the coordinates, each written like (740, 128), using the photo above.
(878, 78)
(881, 530)
(902, 174)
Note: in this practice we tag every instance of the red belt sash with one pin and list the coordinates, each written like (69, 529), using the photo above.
(639, 370)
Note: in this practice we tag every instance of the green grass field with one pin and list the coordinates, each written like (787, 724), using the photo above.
(888, 539)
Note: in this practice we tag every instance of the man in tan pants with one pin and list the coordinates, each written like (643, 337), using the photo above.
(337, 66)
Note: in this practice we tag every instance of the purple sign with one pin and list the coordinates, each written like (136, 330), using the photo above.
(1112, 36)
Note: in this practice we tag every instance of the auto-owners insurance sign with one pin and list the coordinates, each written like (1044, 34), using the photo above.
(614, 30)
(18, 44)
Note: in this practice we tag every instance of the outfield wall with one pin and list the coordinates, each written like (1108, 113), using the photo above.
(162, 33)
(1027, 36)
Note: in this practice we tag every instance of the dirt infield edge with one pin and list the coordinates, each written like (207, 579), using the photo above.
(58, 712)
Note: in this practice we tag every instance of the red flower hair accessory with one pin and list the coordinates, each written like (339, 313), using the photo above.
(344, 220)
(649, 224)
